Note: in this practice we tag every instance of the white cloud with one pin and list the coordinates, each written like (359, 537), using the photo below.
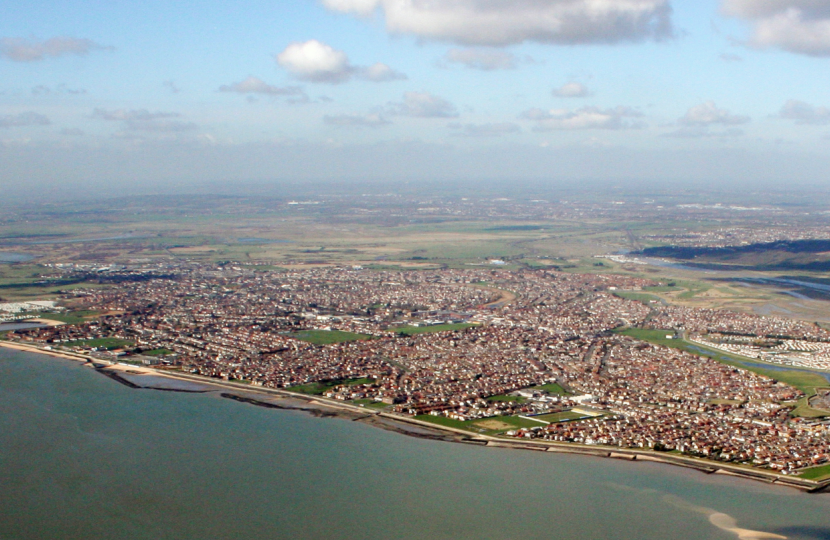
(317, 62)
(571, 90)
(31, 50)
(489, 22)
(356, 120)
(584, 118)
(804, 113)
(135, 115)
(144, 120)
(798, 26)
(363, 7)
(485, 59)
(423, 105)
(486, 130)
(707, 114)
(23, 119)
(254, 85)
(379, 72)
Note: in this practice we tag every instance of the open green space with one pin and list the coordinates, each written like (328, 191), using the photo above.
(552, 388)
(72, 317)
(822, 472)
(658, 337)
(507, 398)
(97, 343)
(563, 416)
(480, 425)
(328, 337)
(320, 387)
(371, 404)
(444, 421)
(517, 422)
(157, 352)
(412, 330)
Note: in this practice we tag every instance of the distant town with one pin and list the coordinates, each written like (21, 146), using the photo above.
(531, 354)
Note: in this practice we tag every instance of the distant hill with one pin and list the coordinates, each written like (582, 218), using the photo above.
(788, 255)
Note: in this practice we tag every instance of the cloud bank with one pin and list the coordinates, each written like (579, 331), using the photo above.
(707, 114)
(804, 113)
(797, 26)
(571, 90)
(254, 85)
(488, 22)
(423, 105)
(484, 59)
(23, 119)
(32, 50)
(584, 118)
(144, 120)
(356, 120)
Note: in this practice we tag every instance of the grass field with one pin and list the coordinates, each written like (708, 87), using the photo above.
(506, 398)
(494, 425)
(412, 330)
(328, 337)
(107, 343)
(319, 388)
(371, 403)
(157, 352)
(559, 417)
(553, 388)
(816, 473)
(444, 421)
(72, 317)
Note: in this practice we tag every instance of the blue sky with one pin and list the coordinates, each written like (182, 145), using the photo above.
(653, 89)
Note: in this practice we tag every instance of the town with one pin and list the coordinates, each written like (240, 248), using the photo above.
(530, 354)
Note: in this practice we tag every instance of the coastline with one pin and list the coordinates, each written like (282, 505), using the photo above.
(324, 407)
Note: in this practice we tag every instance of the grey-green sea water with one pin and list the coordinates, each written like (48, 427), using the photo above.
(82, 456)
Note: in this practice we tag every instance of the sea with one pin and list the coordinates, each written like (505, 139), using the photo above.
(84, 457)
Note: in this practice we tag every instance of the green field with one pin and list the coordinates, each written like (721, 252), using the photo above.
(328, 337)
(444, 421)
(72, 317)
(563, 416)
(412, 330)
(107, 343)
(514, 422)
(517, 422)
(371, 403)
(319, 388)
(553, 388)
(507, 398)
(157, 352)
(821, 472)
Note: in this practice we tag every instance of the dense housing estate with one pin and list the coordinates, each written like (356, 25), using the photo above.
(514, 334)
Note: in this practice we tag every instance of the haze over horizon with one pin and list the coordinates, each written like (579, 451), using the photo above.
(133, 97)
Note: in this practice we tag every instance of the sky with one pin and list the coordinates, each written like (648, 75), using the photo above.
(152, 94)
